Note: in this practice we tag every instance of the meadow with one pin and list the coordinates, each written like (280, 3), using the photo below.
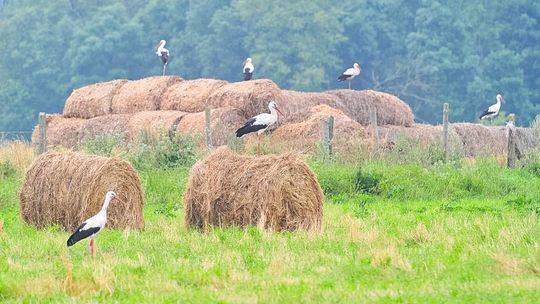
(464, 231)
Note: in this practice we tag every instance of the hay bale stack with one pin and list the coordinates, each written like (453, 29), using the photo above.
(154, 122)
(224, 122)
(250, 97)
(92, 100)
(419, 133)
(142, 95)
(67, 188)
(271, 192)
(190, 95)
(481, 140)
(390, 109)
(308, 133)
(61, 131)
(108, 125)
(526, 139)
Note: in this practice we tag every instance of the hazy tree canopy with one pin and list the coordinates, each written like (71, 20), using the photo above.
(426, 52)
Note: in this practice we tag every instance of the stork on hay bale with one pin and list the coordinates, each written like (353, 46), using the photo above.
(68, 188)
(274, 193)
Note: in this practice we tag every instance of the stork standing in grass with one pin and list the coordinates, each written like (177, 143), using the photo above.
(163, 54)
(349, 74)
(493, 110)
(260, 124)
(248, 69)
(92, 226)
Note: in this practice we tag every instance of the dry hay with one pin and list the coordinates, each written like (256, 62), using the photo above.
(250, 97)
(479, 140)
(390, 109)
(142, 95)
(526, 139)
(67, 188)
(154, 122)
(92, 100)
(356, 104)
(190, 95)
(224, 122)
(275, 193)
(61, 131)
(308, 133)
(108, 125)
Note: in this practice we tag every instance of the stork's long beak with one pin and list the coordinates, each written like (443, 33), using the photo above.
(157, 45)
(277, 109)
(502, 99)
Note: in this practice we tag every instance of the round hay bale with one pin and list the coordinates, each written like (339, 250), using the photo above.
(390, 109)
(190, 95)
(308, 133)
(142, 95)
(61, 131)
(250, 97)
(274, 192)
(92, 100)
(68, 188)
(154, 121)
(297, 106)
(224, 122)
(479, 140)
(107, 125)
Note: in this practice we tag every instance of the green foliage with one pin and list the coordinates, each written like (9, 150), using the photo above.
(161, 151)
(367, 182)
(7, 170)
(101, 145)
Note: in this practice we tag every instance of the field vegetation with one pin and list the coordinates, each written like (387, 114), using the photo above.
(415, 231)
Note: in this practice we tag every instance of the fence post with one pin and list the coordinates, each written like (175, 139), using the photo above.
(511, 158)
(446, 109)
(374, 127)
(42, 138)
(208, 128)
(328, 135)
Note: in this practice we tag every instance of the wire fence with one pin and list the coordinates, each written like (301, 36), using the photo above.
(9, 136)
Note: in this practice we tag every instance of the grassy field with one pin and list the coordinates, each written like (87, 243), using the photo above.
(461, 232)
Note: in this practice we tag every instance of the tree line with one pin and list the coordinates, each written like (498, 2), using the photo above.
(425, 52)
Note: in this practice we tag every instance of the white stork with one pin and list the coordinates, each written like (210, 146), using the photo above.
(248, 69)
(350, 73)
(260, 123)
(92, 226)
(493, 110)
(163, 54)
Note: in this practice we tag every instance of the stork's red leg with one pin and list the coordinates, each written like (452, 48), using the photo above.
(92, 247)
(258, 145)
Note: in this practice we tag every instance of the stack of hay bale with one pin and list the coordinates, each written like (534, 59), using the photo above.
(173, 105)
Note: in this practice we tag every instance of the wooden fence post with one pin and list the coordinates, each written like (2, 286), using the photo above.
(42, 138)
(446, 109)
(374, 127)
(328, 135)
(208, 128)
(511, 158)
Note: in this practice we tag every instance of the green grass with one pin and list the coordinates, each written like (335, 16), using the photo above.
(448, 233)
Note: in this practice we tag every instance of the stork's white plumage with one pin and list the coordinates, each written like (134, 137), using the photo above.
(493, 110)
(350, 73)
(92, 226)
(260, 123)
(248, 69)
(163, 54)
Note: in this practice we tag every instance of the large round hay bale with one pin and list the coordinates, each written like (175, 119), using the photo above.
(390, 109)
(67, 188)
(153, 122)
(479, 140)
(92, 100)
(274, 192)
(224, 122)
(107, 125)
(297, 106)
(142, 95)
(61, 131)
(250, 97)
(308, 133)
(190, 95)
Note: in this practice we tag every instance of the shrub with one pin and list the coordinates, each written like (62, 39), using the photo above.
(101, 145)
(7, 169)
(367, 182)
